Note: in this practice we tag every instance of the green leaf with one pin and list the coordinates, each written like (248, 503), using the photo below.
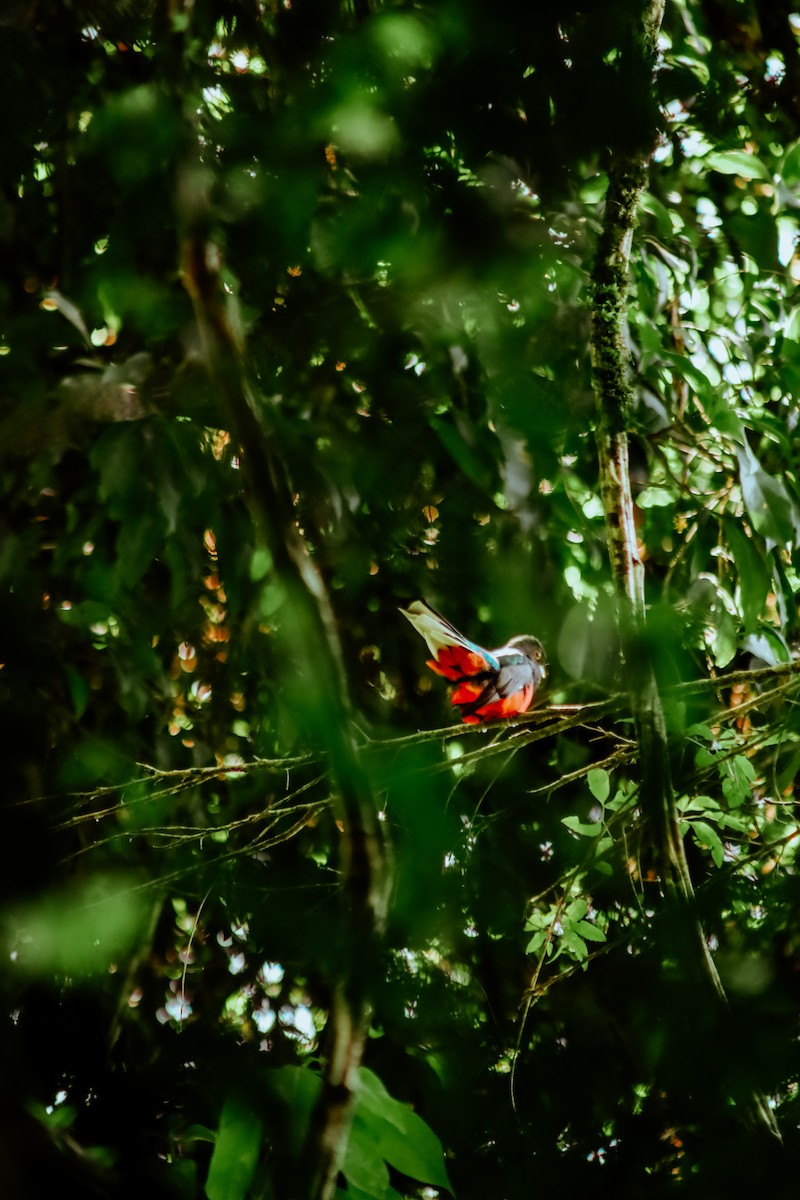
(599, 783)
(78, 690)
(665, 218)
(767, 501)
(594, 189)
(744, 768)
(260, 563)
(620, 799)
(363, 1163)
(683, 368)
(753, 574)
(537, 941)
(791, 330)
(725, 642)
(78, 930)
(271, 598)
(655, 497)
(788, 766)
(692, 62)
(577, 826)
(577, 909)
(298, 1089)
(738, 162)
(704, 758)
(741, 775)
(236, 1151)
(572, 942)
(707, 836)
(590, 932)
(769, 645)
(789, 170)
(198, 1133)
(402, 1137)
(785, 595)
(698, 803)
(733, 792)
(539, 920)
(738, 822)
(138, 543)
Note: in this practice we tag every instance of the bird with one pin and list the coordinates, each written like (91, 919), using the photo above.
(489, 684)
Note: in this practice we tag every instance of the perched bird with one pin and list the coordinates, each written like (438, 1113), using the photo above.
(488, 683)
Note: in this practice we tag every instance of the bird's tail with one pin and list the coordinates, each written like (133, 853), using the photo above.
(452, 655)
(436, 630)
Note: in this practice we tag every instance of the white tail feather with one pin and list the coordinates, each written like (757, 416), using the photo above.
(437, 632)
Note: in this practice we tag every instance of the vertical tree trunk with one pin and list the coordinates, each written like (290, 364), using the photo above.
(311, 639)
(627, 178)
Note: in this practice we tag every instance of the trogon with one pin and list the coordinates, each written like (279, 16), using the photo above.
(488, 684)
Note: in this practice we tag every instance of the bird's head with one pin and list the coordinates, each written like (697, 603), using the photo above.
(533, 649)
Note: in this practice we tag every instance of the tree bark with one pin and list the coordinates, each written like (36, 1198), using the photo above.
(613, 392)
(311, 638)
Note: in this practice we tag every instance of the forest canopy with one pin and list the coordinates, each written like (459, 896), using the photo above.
(310, 308)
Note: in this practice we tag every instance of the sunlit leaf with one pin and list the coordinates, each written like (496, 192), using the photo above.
(654, 497)
(589, 931)
(738, 162)
(537, 941)
(599, 783)
(575, 945)
(768, 645)
(577, 908)
(578, 826)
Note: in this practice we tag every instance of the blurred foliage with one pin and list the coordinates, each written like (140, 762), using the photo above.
(404, 199)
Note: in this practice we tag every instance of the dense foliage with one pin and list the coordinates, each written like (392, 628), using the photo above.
(402, 203)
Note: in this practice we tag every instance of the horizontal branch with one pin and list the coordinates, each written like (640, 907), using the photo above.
(542, 723)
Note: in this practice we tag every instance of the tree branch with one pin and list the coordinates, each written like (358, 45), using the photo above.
(548, 721)
(309, 628)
